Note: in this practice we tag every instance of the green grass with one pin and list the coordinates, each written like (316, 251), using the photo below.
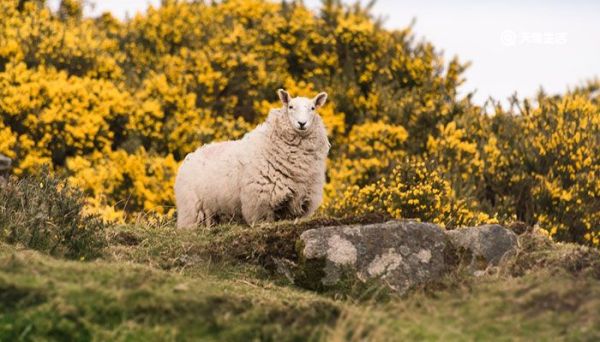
(42, 296)
(158, 283)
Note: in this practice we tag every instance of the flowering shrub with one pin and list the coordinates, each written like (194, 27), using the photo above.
(133, 182)
(53, 115)
(411, 190)
(116, 105)
(548, 165)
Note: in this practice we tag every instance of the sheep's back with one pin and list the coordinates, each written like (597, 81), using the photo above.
(212, 173)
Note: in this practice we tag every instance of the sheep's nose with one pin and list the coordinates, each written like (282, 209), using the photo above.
(301, 124)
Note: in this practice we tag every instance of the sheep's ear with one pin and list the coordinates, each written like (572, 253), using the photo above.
(320, 99)
(284, 96)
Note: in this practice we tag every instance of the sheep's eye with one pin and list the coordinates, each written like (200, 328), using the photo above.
(291, 107)
(312, 108)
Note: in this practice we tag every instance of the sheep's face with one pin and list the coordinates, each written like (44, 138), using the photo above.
(301, 111)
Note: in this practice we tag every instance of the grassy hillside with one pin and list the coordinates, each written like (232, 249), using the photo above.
(163, 284)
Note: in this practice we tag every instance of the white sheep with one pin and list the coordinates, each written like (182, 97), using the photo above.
(276, 171)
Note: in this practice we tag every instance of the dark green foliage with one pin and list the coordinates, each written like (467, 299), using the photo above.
(43, 212)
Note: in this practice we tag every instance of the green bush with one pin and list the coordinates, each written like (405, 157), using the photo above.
(42, 212)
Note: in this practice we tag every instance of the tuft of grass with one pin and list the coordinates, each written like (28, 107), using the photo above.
(537, 252)
(168, 247)
(44, 213)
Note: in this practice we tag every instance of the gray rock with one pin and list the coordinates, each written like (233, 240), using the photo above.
(5, 162)
(402, 254)
(486, 244)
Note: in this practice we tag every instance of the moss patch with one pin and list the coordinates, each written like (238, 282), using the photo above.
(44, 297)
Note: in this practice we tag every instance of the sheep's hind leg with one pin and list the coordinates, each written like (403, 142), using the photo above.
(205, 218)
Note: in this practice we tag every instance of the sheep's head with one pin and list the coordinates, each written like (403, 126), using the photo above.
(301, 111)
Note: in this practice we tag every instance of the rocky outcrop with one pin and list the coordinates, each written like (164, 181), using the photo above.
(401, 254)
(486, 245)
(5, 164)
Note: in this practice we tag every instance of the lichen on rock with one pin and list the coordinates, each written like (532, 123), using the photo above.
(486, 244)
(400, 254)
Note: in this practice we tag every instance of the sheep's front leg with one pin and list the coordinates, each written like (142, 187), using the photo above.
(299, 206)
(313, 199)
(256, 205)
(255, 211)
